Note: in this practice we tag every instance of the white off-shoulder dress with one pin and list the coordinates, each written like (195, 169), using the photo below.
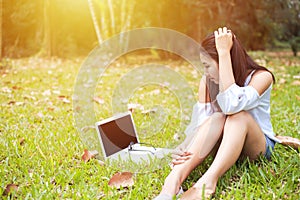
(235, 99)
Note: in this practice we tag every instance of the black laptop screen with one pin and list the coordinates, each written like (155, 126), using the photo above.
(117, 134)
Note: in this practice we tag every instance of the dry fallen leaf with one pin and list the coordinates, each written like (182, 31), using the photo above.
(17, 103)
(100, 162)
(176, 137)
(296, 77)
(282, 81)
(16, 87)
(296, 82)
(272, 172)
(9, 189)
(56, 92)
(155, 92)
(87, 155)
(40, 115)
(132, 106)
(50, 108)
(46, 93)
(153, 110)
(21, 141)
(30, 173)
(29, 97)
(11, 102)
(64, 99)
(6, 90)
(289, 141)
(98, 100)
(121, 179)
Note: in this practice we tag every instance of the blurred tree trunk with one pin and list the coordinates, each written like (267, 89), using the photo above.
(126, 18)
(112, 18)
(94, 18)
(1, 29)
(47, 47)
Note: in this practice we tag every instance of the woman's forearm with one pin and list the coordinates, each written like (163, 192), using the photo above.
(226, 77)
(224, 42)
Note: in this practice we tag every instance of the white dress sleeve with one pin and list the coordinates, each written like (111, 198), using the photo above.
(235, 99)
(201, 111)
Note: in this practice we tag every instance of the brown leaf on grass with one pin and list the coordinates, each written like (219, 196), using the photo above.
(98, 100)
(296, 77)
(11, 102)
(6, 90)
(272, 172)
(282, 81)
(46, 93)
(100, 162)
(17, 103)
(289, 141)
(50, 108)
(132, 106)
(61, 97)
(21, 141)
(56, 92)
(298, 97)
(153, 110)
(29, 97)
(155, 92)
(176, 137)
(30, 173)
(64, 99)
(9, 189)
(87, 155)
(77, 108)
(16, 87)
(296, 82)
(121, 179)
(40, 115)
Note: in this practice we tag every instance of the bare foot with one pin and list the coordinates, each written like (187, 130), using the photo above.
(199, 191)
(195, 193)
(170, 187)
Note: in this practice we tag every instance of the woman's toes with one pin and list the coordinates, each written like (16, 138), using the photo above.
(197, 193)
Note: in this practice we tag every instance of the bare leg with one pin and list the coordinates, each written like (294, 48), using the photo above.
(205, 139)
(241, 135)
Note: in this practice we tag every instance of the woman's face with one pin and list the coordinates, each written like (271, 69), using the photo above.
(211, 69)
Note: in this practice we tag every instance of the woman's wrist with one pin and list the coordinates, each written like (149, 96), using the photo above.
(223, 53)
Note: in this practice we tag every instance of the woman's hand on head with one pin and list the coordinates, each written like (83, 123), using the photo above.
(223, 39)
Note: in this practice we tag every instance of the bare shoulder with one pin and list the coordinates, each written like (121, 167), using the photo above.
(261, 81)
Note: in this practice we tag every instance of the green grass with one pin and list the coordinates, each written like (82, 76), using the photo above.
(48, 165)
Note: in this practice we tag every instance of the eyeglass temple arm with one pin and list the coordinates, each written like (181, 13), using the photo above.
(132, 143)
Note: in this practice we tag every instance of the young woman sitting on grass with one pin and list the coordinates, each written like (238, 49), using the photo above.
(230, 120)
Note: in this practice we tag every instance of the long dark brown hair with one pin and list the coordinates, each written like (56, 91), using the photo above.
(242, 63)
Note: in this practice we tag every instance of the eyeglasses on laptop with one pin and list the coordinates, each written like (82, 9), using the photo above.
(132, 147)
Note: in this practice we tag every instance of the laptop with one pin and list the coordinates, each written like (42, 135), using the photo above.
(119, 140)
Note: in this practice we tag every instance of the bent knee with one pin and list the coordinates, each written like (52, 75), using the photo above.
(218, 116)
(240, 117)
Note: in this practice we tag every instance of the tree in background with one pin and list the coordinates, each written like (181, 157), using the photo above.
(286, 16)
(47, 47)
(1, 6)
(22, 30)
(65, 27)
(94, 18)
